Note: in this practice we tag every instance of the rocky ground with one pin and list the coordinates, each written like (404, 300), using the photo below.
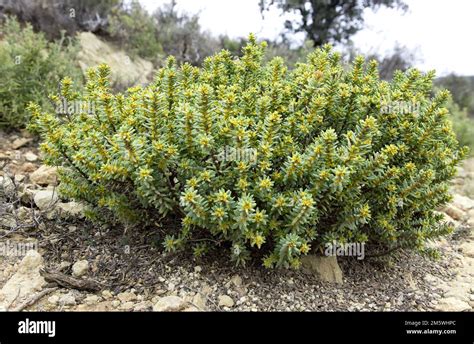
(81, 267)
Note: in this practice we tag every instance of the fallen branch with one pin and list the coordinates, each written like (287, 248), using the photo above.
(69, 282)
(31, 301)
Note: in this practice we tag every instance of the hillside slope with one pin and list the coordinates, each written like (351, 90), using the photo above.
(125, 70)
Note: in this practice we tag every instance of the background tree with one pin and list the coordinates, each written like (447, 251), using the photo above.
(462, 89)
(181, 35)
(401, 58)
(328, 21)
(135, 30)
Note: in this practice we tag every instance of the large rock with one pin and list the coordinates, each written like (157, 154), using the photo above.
(463, 202)
(24, 282)
(45, 175)
(467, 248)
(124, 70)
(325, 268)
(452, 304)
(45, 199)
(170, 304)
(454, 212)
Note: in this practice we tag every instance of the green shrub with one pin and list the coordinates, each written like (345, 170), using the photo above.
(30, 68)
(463, 125)
(265, 161)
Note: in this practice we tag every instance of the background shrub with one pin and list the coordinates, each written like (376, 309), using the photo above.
(55, 16)
(265, 161)
(30, 68)
(463, 125)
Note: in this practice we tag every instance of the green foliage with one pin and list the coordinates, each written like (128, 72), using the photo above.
(30, 67)
(135, 30)
(265, 161)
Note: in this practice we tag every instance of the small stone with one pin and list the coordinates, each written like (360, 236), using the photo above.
(197, 269)
(191, 309)
(64, 265)
(80, 268)
(53, 299)
(206, 290)
(28, 167)
(127, 306)
(67, 299)
(236, 280)
(91, 299)
(169, 304)
(115, 303)
(226, 301)
(7, 186)
(45, 199)
(199, 301)
(126, 296)
(45, 175)
(26, 196)
(20, 142)
(72, 209)
(23, 214)
(143, 306)
(107, 294)
(19, 178)
(31, 157)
